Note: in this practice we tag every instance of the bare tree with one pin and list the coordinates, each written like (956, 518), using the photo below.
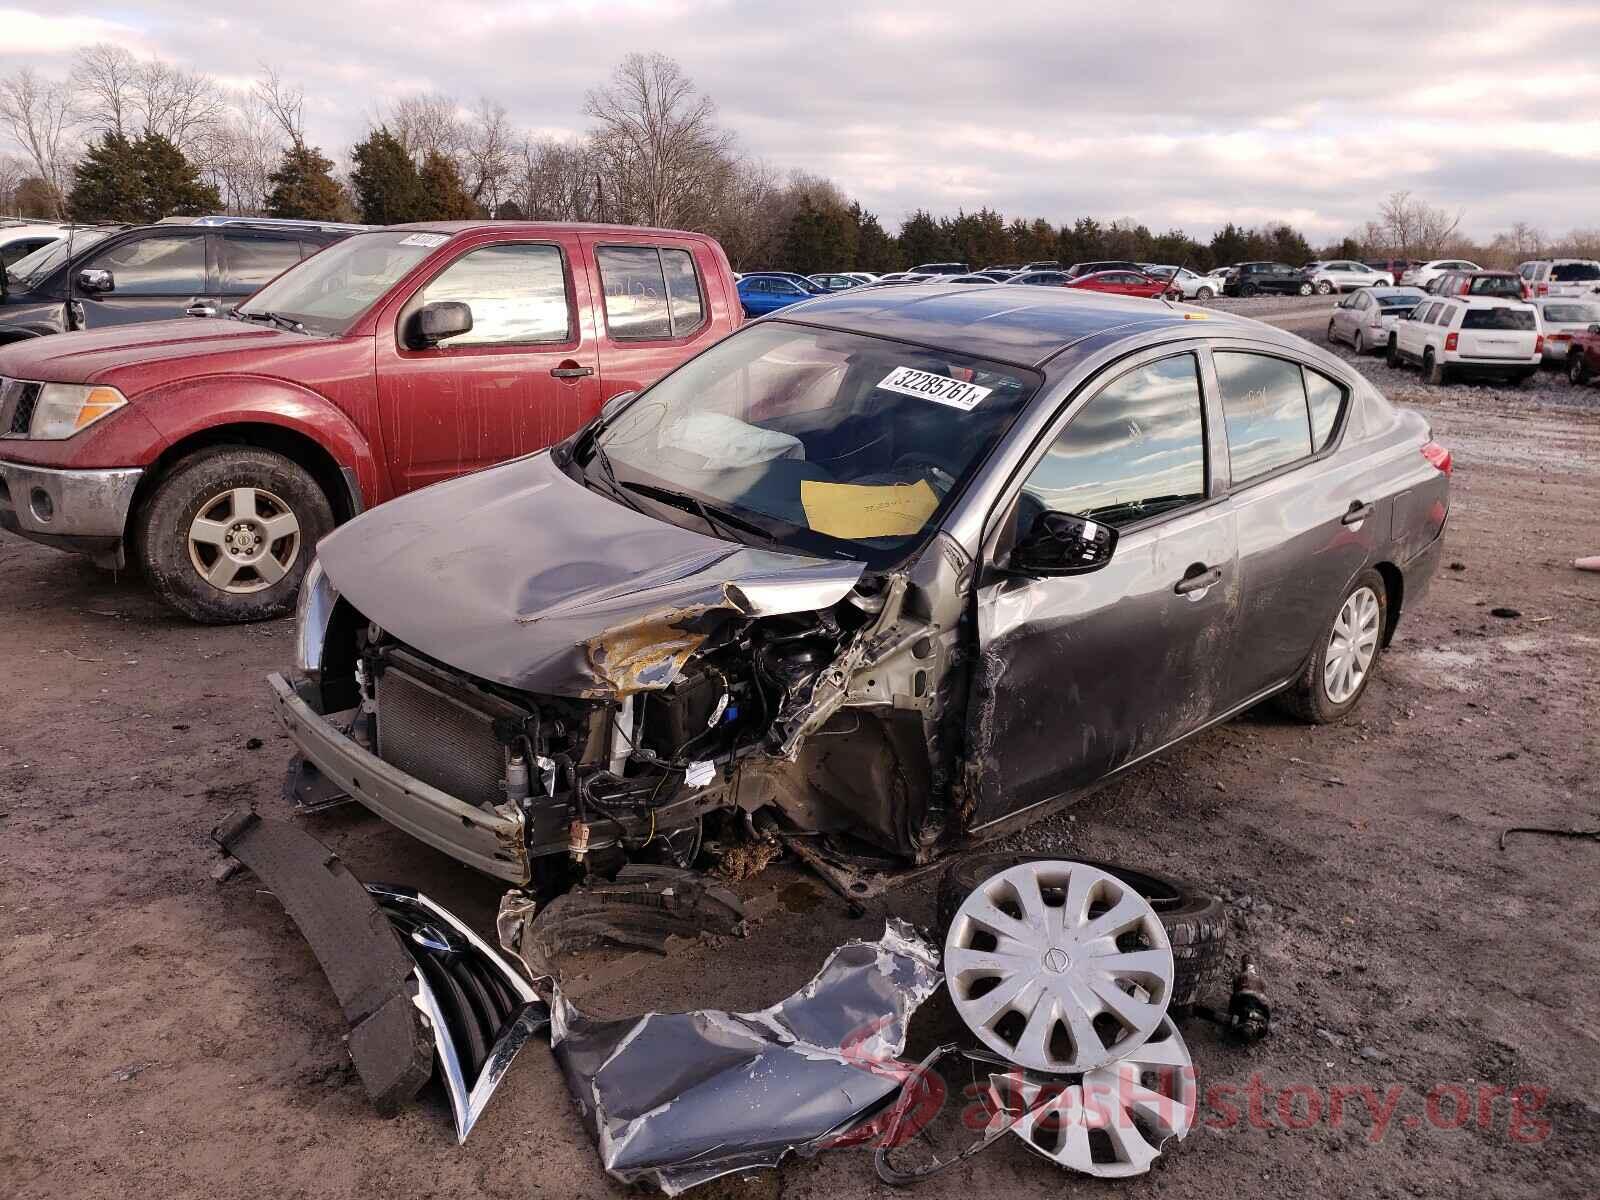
(427, 123)
(555, 181)
(487, 154)
(241, 152)
(284, 104)
(41, 116)
(129, 97)
(1415, 228)
(106, 78)
(658, 142)
(12, 172)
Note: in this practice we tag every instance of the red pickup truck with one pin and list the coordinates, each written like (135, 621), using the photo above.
(215, 453)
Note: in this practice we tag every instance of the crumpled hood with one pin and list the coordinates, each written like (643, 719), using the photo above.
(522, 576)
(114, 355)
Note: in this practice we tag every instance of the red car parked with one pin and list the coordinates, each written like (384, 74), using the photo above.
(1122, 283)
(1583, 356)
(216, 453)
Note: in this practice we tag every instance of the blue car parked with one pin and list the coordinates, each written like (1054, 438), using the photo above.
(768, 292)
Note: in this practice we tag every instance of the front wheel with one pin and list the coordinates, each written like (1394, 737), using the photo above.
(1331, 337)
(1324, 288)
(1249, 291)
(1577, 366)
(1393, 356)
(1305, 289)
(1347, 656)
(1360, 343)
(1204, 293)
(228, 534)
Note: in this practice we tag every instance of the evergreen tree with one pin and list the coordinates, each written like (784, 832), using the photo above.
(876, 251)
(821, 237)
(108, 184)
(303, 187)
(387, 185)
(172, 186)
(922, 240)
(1229, 245)
(446, 197)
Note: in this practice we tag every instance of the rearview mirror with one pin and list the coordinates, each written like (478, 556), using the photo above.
(96, 281)
(440, 320)
(1063, 544)
(615, 405)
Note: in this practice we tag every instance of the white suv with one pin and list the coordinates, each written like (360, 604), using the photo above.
(1419, 276)
(18, 239)
(1476, 335)
(1345, 275)
(1562, 277)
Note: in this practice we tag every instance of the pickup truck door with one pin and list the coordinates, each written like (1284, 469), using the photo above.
(522, 378)
(654, 305)
(156, 276)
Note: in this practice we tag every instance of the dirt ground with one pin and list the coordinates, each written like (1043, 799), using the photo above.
(168, 1036)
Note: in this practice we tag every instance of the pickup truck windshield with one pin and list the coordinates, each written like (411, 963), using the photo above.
(329, 291)
(816, 441)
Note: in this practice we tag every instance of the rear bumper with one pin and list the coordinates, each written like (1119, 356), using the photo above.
(82, 511)
(484, 839)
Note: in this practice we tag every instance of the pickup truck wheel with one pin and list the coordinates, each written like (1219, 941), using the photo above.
(1347, 656)
(1196, 921)
(228, 534)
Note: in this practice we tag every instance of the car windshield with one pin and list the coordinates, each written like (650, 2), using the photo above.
(1574, 272)
(1572, 314)
(31, 269)
(329, 291)
(812, 440)
(1498, 318)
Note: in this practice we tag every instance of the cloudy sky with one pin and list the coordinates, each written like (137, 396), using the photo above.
(1172, 113)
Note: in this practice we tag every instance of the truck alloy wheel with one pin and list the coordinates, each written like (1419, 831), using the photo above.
(244, 540)
(1058, 966)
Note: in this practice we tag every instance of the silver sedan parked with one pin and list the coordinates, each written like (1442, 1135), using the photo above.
(1363, 319)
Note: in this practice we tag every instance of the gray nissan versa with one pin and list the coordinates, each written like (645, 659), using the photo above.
(888, 570)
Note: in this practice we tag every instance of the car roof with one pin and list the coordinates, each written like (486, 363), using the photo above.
(623, 231)
(1487, 301)
(1000, 322)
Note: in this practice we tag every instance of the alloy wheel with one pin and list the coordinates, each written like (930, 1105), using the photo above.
(244, 540)
(1351, 646)
(1058, 966)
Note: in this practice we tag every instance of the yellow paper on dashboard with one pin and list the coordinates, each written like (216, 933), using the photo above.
(854, 510)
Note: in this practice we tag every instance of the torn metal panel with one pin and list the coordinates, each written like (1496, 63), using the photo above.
(370, 971)
(679, 1099)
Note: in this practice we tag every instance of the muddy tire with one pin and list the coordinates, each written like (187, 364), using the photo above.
(228, 534)
(1577, 367)
(1331, 337)
(1393, 356)
(1196, 922)
(1347, 655)
(1434, 371)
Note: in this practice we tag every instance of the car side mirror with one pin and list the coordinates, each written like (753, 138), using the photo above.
(1595, 328)
(440, 320)
(1063, 544)
(615, 405)
(96, 282)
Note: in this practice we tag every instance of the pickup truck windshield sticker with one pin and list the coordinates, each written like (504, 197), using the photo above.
(941, 389)
(430, 240)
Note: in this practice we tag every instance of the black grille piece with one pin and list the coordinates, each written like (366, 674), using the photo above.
(18, 398)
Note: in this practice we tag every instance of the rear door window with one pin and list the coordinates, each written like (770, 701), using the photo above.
(652, 292)
(1264, 407)
(517, 293)
(250, 261)
(166, 265)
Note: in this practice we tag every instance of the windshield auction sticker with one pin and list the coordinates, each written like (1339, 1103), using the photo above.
(941, 389)
(426, 240)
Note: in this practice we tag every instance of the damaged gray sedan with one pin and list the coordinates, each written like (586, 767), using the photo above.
(891, 570)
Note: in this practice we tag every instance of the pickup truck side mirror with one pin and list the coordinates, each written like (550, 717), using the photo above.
(1063, 544)
(440, 320)
(96, 282)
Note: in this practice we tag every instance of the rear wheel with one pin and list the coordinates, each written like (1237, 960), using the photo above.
(1360, 343)
(1204, 293)
(1436, 372)
(1305, 289)
(228, 534)
(1249, 291)
(1393, 356)
(1347, 656)
(1577, 366)
(1331, 335)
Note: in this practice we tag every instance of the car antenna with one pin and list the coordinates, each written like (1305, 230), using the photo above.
(1184, 262)
(72, 228)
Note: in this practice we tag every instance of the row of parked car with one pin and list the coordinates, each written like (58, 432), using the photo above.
(1532, 279)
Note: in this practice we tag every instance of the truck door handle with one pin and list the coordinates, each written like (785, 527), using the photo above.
(1197, 579)
(201, 308)
(1356, 513)
(571, 371)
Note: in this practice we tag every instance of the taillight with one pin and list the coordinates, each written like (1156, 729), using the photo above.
(1527, 293)
(1538, 344)
(1451, 340)
(1544, 289)
(1438, 456)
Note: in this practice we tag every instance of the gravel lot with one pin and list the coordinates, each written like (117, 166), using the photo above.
(173, 1037)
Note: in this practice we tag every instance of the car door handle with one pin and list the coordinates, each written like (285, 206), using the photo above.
(202, 308)
(571, 372)
(1197, 579)
(1356, 513)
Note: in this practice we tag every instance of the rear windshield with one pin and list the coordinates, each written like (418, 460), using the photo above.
(1497, 285)
(1498, 318)
(1572, 314)
(1397, 303)
(1574, 272)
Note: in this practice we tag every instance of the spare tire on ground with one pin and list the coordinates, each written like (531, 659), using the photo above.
(1196, 921)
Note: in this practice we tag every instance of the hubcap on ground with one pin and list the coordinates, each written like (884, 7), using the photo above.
(244, 540)
(1351, 645)
(1058, 966)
